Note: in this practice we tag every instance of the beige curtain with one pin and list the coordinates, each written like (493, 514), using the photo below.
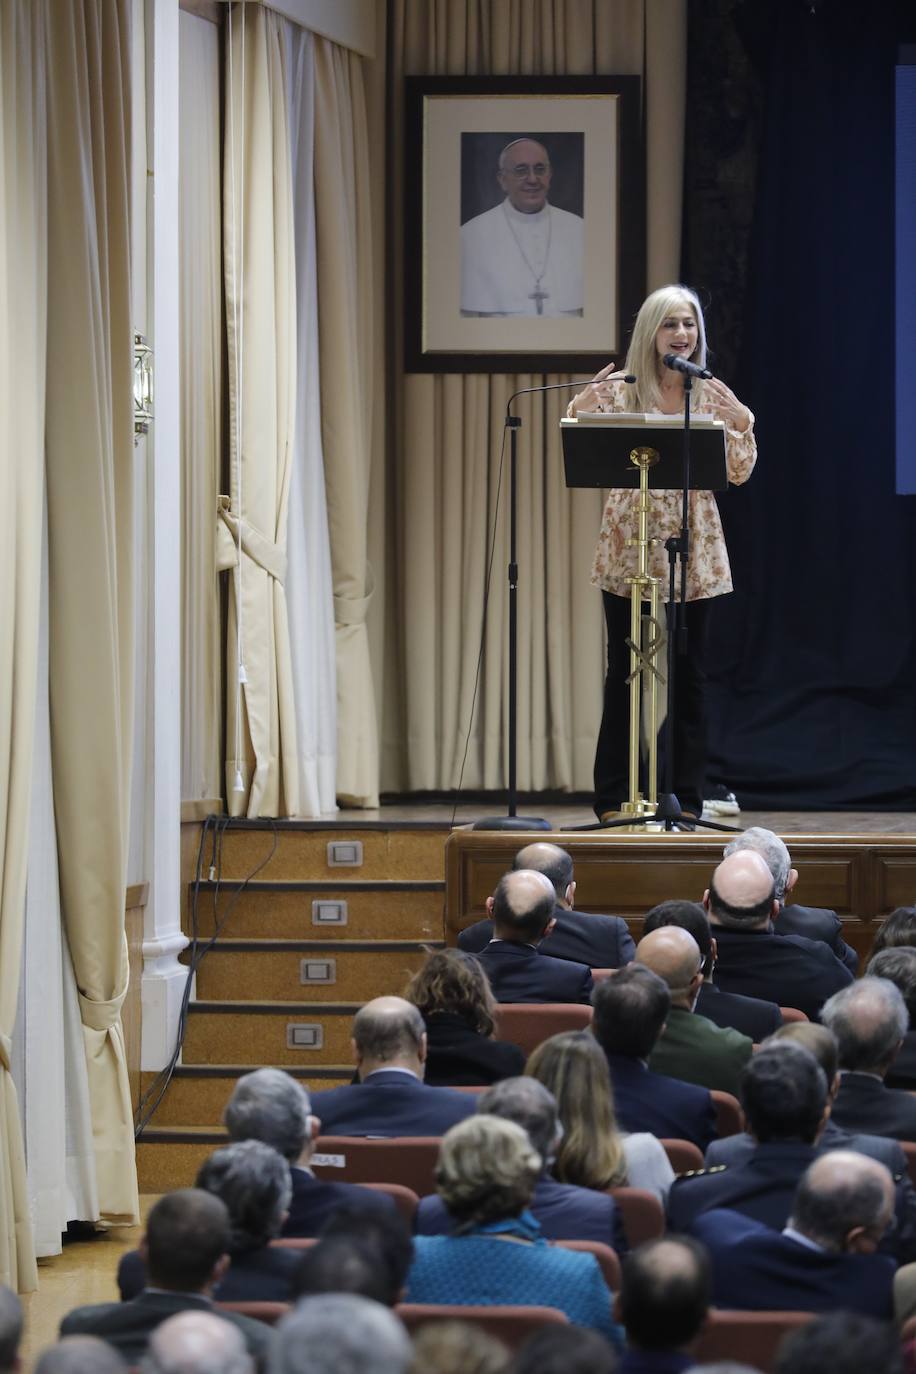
(352, 428)
(201, 405)
(448, 431)
(261, 739)
(90, 456)
(23, 245)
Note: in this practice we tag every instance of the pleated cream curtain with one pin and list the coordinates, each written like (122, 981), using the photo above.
(202, 382)
(23, 287)
(310, 593)
(352, 426)
(448, 431)
(49, 1062)
(89, 457)
(262, 775)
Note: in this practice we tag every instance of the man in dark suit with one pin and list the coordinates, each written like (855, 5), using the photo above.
(898, 965)
(599, 941)
(390, 1099)
(564, 1211)
(813, 922)
(630, 1012)
(753, 960)
(870, 1021)
(749, 1015)
(272, 1106)
(690, 1047)
(185, 1251)
(522, 909)
(663, 1304)
(736, 1149)
(826, 1256)
(763, 1176)
(784, 1096)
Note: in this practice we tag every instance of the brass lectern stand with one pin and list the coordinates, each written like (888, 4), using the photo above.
(622, 452)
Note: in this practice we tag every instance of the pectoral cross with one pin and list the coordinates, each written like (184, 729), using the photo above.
(539, 297)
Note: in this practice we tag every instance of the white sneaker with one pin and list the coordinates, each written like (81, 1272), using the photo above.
(721, 803)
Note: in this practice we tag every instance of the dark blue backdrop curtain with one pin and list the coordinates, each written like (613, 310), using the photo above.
(789, 236)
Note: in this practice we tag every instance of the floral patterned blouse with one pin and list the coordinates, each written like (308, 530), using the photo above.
(708, 571)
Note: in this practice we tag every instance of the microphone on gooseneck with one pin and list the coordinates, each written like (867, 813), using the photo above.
(560, 386)
(679, 364)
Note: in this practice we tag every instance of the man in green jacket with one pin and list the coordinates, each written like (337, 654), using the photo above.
(690, 1047)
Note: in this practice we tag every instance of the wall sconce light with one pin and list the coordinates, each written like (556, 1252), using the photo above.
(143, 386)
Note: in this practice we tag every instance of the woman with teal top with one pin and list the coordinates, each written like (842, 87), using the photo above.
(496, 1254)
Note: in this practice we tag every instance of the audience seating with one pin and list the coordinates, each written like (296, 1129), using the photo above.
(792, 1014)
(751, 1338)
(599, 974)
(269, 1312)
(641, 1212)
(511, 1325)
(683, 1154)
(528, 1024)
(729, 1116)
(604, 1254)
(406, 1160)
(474, 1088)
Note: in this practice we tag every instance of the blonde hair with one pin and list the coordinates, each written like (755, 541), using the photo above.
(487, 1169)
(572, 1065)
(451, 980)
(642, 356)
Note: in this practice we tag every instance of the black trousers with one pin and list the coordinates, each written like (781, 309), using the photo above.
(613, 749)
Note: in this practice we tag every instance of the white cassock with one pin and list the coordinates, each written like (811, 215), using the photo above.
(517, 264)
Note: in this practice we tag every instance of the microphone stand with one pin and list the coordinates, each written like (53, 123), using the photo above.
(668, 809)
(512, 821)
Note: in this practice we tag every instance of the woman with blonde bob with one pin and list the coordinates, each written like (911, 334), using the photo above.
(669, 322)
(496, 1254)
(452, 993)
(594, 1153)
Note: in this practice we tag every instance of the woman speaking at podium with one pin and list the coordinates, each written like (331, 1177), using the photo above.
(670, 321)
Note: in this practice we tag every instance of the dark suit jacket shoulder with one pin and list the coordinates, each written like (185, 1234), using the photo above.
(865, 1104)
(902, 1072)
(787, 969)
(457, 1054)
(389, 1103)
(751, 1016)
(314, 1200)
(817, 923)
(755, 1267)
(521, 973)
(599, 941)
(128, 1325)
(262, 1275)
(761, 1186)
(663, 1106)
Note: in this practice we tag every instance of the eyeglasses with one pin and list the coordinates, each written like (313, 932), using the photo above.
(521, 170)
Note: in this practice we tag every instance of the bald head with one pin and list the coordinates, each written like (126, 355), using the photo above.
(555, 864)
(844, 1202)
(522, 906)
(675, 956)
(197, 1343)
(664, 1293)
(389, 1031)
(742, 894)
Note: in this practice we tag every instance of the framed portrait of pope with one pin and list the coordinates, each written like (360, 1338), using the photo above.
(524, 222)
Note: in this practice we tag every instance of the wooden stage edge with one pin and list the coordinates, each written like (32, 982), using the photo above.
(860, 874)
